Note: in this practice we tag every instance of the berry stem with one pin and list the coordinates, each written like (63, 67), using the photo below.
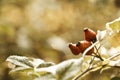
(88, 49)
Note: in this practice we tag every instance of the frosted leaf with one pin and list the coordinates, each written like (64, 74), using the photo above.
(101, 34)
(28, 62)
(110, 38)
(114, 25)
(47, 70)
(64, 70)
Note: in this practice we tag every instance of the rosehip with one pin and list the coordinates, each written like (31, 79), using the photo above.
(90, 35)
(74, 49)
(83, 45)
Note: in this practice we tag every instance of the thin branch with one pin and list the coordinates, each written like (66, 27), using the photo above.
(89, 48)
(83, 56)
(116, 55)
(98, 56)
(92, 60)
(77, 77)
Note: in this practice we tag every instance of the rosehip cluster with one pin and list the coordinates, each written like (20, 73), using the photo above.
(81, 46)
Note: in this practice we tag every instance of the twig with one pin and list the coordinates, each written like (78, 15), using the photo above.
(83, 56)
(92, 60)
(114, 56)
(98, 55)
(89, 48)
(76, 78)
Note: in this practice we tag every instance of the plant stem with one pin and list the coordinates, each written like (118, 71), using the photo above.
(83, 56)
(89, 48)
(77, 77)
(114, 56)
(98, 55)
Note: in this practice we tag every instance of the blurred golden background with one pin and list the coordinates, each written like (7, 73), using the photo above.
(43, 28)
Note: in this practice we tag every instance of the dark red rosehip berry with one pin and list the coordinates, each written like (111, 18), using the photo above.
(83, 45)
(90, 35)
(74, 49)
